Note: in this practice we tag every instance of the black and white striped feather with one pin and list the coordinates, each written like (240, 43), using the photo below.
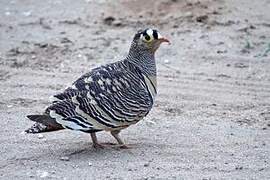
(109, 97)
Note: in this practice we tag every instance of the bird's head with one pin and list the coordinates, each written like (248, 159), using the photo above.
(148, 40)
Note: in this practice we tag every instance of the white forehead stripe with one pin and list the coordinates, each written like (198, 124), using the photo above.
(150, 32)
(159, 35)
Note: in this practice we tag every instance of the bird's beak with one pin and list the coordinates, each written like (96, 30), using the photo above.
(163, 39)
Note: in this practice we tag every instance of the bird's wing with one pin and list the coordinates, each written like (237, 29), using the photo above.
(108, 97)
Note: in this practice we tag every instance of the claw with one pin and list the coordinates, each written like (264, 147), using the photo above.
(98, 146)
(123, 146)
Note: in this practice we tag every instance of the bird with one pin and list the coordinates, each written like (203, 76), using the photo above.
(107, 98)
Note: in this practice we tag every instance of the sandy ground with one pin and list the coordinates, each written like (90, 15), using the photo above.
(211, 118)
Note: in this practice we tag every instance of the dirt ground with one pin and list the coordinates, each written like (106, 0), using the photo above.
(211, 119)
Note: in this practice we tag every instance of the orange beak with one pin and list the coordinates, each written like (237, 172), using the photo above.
(162, 39)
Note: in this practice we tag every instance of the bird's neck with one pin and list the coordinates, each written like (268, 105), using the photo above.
(144, 60)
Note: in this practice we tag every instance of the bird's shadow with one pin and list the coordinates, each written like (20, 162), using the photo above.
(87, 151)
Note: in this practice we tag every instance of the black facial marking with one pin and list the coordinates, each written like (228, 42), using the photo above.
(147, 37)
(144, 33)
(137, 36)
(155, 34)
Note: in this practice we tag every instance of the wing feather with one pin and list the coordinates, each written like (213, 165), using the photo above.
(108, 97)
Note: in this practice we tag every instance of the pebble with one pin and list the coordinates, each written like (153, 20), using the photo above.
(117, 23)
(90, 164)
(188, 14)
(27, 13)
(167, 61)
(40, 136)
(64, 158)
(146, 164)
(239, 168)
(43, 174)
(202, 18)
(240, 65)
(109, 20)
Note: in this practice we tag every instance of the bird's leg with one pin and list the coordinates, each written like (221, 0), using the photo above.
(95, 141)
(115, 134)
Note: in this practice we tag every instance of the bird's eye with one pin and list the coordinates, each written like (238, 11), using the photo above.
(147, 38)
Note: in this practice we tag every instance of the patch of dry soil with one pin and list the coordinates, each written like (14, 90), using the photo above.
(211, 118)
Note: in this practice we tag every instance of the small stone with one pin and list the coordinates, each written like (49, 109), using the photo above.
(239, 168)
(240, 65)
(27, 13)
(40, 136)
(43, 174)
(10, 106)
(64, 158)
(202, 18)
(75, 166)
(65, 40)
(167, 61)
(109, 20)
(252, 27)
(117, 23)
(188, 14)
(221, 51)
(146, 165)
(42, 45)
(90, 164)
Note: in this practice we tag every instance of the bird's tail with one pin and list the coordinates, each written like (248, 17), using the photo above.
(44, 123)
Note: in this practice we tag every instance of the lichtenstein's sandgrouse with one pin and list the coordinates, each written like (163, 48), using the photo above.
(110, 97)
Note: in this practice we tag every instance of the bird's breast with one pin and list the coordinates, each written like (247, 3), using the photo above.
(151, 84)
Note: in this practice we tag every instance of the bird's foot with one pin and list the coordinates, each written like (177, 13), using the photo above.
(98, 146)
(109, 144)
(116, 146)
(123, 146)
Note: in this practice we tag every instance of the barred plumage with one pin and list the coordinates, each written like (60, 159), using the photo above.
(110, 97)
